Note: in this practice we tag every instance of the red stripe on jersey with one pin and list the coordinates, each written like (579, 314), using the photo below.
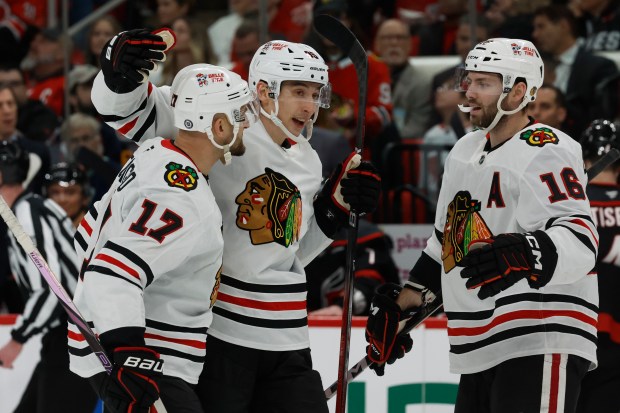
(128, 126)
(583, 224)
(262, 305)
(604, 203)
(520, 315)
(555, 383)
(368, 273)
(114, 261)
(75, 336)
(360, 240)
(201, 345)
(607, 324)
(86, 227)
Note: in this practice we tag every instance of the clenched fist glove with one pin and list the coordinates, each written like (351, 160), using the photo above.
(353, 185)
(127, 57)
(132, 386)
(499, 262)
(385, 345)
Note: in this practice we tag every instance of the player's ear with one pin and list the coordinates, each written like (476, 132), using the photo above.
(220, 127)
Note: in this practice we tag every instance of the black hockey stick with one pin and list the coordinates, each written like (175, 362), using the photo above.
(333, 30)
(52, 281)
(429, 309)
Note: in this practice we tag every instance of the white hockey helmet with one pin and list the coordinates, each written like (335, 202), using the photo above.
(200, 91)
(511, 59)
(279, 61)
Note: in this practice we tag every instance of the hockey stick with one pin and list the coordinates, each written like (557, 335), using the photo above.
(52, 281)
(429, 309)
(333, 30)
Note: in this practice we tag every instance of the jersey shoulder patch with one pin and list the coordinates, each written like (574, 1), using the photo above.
(539, 137)
(179, 176)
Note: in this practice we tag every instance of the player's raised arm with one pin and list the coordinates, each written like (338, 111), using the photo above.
(122, 93)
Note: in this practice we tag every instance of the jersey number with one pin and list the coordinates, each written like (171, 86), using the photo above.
(571, 185)
(172, 222)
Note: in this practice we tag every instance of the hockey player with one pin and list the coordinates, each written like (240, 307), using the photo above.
(599, 389)
(258, 357)
(52, 387)
(152, 251)
(512, 252)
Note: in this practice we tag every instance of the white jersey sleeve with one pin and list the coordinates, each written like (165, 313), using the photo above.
(552, 198)
(139, 115)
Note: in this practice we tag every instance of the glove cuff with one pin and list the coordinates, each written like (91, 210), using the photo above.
(543, 256)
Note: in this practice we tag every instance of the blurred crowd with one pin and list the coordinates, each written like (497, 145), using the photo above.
(411, 116)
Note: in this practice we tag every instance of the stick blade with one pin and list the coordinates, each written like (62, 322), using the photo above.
(333, 30)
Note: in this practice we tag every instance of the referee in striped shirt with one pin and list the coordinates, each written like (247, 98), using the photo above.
(52, 387)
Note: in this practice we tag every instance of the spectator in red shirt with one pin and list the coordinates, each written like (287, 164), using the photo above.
(245, 44)
(44, 67)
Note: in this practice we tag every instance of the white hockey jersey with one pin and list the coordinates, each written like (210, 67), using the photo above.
(152, 252)
(533, 181)
(269, 228)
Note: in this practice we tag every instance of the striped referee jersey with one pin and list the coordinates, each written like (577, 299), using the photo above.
(51, 230)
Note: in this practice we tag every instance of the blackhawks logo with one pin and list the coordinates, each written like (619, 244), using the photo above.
(216, 287)
(464, 224)
(539, 137)
(178, 176)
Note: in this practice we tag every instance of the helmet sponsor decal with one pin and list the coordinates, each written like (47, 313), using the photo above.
(516, 49)
(269, 208)
(188, 124)
(178, 176)
(539, 137)
(201, 79)
(464, 224)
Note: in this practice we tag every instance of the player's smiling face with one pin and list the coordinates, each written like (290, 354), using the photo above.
(297, 104)
(483, 91)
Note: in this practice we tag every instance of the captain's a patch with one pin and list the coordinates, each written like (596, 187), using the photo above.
(540, 137)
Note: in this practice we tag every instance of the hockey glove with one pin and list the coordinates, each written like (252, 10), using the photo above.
(505, 259)
(127, 57)
(353, 185)
(385, 345)
(132, 385)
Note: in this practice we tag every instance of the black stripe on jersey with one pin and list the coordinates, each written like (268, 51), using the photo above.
(27, 329)
(180, 354)
(520, 331)
(90, 324)
(158, 325)
(439, 235)
(149, 121)
(585, 240)
(133, 258)
(80, 352)
(263, 288)
(80, 240)
(261, 322)
(519, 298)
(106, 271)
(93, 212)
(116, 118)
(551, 221)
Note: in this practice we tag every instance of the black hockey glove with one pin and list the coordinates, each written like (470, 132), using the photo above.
(505, 259)
(127, 57)
(353, 185)
(385, 345)
(132, 385)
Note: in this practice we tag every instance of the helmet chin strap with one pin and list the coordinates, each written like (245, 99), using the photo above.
(225, 148)
(500, 112)
(276, 120)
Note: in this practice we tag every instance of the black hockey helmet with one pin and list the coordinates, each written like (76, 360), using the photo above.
(598, 138)
(14, 162)
(67, 174)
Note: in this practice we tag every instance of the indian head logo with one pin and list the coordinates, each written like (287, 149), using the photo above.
(270, 209)
(201, 79)
(464, 224)
(539, 137)
(178, 176)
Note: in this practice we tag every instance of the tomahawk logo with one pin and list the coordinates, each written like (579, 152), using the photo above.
(535, 251)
